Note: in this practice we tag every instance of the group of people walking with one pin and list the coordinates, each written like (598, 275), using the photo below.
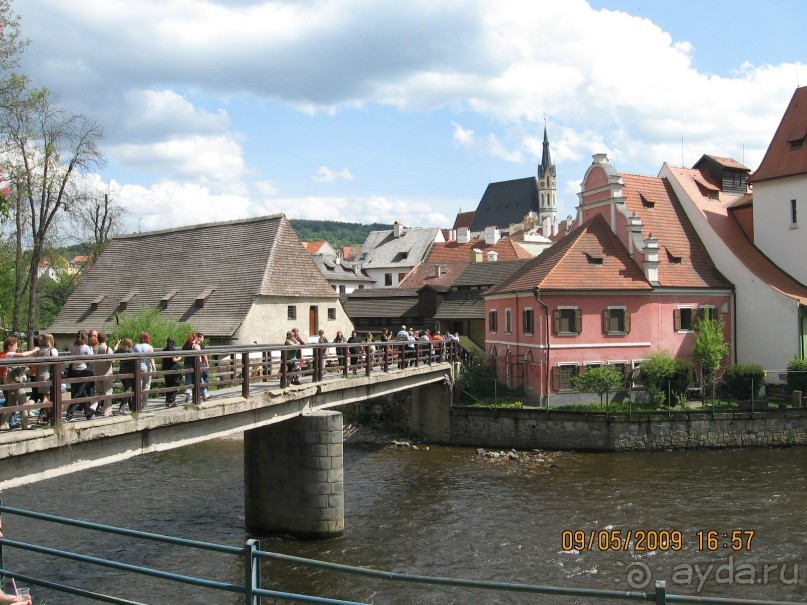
(94, 378)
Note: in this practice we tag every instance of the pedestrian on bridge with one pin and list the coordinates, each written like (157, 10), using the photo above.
(80, 369)
(146, 367)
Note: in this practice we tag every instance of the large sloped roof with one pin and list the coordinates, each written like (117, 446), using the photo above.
(228, 264)
(505, 203)
(787, 153)
(590, 258)
(718, 214)
(683, 259)
(462, 304)
(382, 249)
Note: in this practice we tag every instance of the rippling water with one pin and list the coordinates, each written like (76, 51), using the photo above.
(441, 512)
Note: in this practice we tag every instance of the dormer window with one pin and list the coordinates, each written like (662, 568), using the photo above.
(124, 302)
(165, 300)
(647, 203)
(594, 259)
(201, 299)
(796, 140)
(96, 301)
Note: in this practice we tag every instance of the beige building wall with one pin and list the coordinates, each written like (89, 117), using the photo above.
(268, 320)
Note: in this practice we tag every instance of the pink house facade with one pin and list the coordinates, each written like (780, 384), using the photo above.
(629, 280)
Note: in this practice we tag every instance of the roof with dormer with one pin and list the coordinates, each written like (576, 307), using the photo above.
(382, 249)
(718, 215)
(590, 258)
(209, 275)
(453, 258)
(787, 153)
(683, 259)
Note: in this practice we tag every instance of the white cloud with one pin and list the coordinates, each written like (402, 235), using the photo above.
(167, 90)
(490, 144)
(326, 175)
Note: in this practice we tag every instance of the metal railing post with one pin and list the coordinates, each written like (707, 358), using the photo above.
(661, 592)
(284, 377)
(245, 374)
(56, 400)
(252, 569)
(138, 389)
(386, 357)
(367, 360)
(346, 358)
(196, 396)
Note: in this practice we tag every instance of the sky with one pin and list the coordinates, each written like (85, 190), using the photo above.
(370, 111)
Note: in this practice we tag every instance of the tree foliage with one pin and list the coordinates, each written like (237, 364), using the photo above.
(336, 233)
(601, 380)
(666, 378)
(710, 346)
(152, 321)
(46, 150)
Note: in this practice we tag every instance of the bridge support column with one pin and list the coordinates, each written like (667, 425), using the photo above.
(294, 478)
(430, 412)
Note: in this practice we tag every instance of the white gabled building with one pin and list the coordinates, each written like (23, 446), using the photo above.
(780, 192)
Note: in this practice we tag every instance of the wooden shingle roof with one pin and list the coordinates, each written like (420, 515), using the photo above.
(213, 273)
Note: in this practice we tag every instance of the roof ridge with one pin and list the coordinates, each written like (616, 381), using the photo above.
(253, 219)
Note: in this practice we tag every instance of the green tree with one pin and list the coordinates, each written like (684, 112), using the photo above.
(46, 149)
(152, 321)
(710, 347)
(601, 380)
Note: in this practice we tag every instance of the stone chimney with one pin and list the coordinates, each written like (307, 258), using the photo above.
(651, 259)
(438, 270)
(476, 255)
(397, 229)
(357, 268)
(492, 235)
(463, 235)
(555, 226)
(546, 226)
(452, 235)
(493, 256)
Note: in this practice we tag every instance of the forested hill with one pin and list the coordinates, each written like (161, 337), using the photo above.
(336, 233)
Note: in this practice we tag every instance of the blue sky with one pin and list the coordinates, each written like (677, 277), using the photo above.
(367, 111)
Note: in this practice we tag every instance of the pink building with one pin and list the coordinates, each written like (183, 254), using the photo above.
(629, 280)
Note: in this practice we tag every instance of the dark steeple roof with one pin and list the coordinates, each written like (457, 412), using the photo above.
(547, 168)
(506, 202)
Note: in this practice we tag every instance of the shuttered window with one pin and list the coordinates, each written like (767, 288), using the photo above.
(616, 320)
(567, 320)
(562, 377)
(527, 322)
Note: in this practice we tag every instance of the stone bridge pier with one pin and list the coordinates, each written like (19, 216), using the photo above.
(294, 477)
(293, 470)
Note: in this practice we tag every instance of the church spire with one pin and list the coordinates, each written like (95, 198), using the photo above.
(547, 185)
(547, 168)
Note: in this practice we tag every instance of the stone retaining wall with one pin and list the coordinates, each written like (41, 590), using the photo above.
(528, 429)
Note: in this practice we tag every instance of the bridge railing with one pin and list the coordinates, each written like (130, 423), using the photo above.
(252, 588)
(228, 366)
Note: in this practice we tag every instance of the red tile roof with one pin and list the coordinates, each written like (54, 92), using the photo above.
(464, 219)
(683, 259)
(785, 157)
(590, 258)
(454, 258)
(719, 216)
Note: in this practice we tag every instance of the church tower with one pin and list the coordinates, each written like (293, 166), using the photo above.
(547, 186)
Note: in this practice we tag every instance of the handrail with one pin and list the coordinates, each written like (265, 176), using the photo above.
(228, 365)
(252, 557)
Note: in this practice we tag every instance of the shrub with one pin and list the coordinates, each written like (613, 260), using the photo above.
(663, 375)
(797, 375)
(601, 380)
(152, 321)
(738, 380)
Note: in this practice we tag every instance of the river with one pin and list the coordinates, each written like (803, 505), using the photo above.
(445, 512)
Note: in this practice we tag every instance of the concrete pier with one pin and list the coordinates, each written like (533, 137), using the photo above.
(294, 477)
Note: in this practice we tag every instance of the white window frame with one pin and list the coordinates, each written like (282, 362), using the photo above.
(692, 318)
(624, 310)
(577, 328)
